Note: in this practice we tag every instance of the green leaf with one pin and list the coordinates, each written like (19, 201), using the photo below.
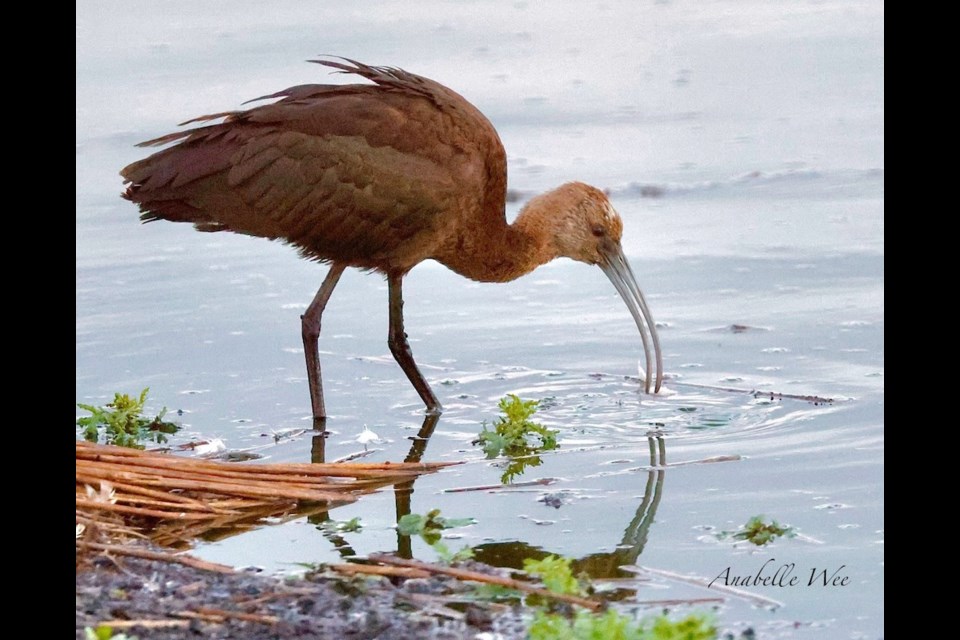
(103, 632)
(692, 627)
(516, 437)
(547, 626)
(758, 532)
(410, 524)
(608, 625)
(122, 424)
(612, 625)
(342, 526)
(555, 573)
(447, 556)
(493, 443)
(495, 592)
(429, 528)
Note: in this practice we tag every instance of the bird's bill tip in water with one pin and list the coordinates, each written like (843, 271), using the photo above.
(618, 270)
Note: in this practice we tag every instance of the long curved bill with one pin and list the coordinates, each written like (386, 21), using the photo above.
(618, 270)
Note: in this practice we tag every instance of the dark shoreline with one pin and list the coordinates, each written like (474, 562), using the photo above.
(185, 602)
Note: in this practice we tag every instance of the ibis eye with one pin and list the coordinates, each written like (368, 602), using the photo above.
(599, 231)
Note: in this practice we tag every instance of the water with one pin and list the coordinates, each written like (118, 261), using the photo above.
(759, 129)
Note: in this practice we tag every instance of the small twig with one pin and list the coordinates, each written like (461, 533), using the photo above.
(705, 583)
(432, 605)
(119, 566)
(355, 456)
(139, 511)
(247, 617)
(191, 588)
(132, 488)
(189, 561)
(726, 458)
(112, 527)
(287, 592)
(370, 569)
(127, 456)
(240, 487)
(756, 393)
(500, 487)
(474, 576)
(206, 617)
(679, 601)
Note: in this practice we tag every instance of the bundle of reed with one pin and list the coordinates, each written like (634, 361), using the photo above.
(173, 500)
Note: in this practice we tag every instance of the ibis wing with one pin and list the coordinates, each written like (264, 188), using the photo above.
(373, 176)
(340, 197)
(344, 174)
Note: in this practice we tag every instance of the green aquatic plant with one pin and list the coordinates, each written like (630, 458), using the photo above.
(353, 525)
(122, 423)
(495, 593)
(612, 625)
(557, 576)
(430, 527)
(103, 632)
(517, 437)
(758, 532)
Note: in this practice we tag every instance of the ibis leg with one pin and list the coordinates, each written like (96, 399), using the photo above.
(310, 324)
(400, 348)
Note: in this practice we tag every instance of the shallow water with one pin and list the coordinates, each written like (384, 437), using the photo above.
(759, 130)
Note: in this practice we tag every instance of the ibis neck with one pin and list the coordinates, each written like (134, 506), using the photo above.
(501, 252)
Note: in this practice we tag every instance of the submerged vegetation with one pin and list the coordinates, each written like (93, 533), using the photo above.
(104, 632)
(760, 533)
(430, 528)
(516, 437)
(557, 577)
(353, 525)
(614, 625)
(121, 422)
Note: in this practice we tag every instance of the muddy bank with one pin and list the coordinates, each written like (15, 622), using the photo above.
(162, 600)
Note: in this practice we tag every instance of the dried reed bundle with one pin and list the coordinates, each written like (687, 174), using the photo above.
(172, 500)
